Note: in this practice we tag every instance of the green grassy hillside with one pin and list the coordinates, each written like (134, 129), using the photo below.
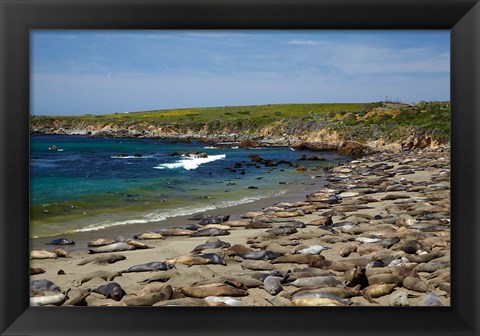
(390, 121)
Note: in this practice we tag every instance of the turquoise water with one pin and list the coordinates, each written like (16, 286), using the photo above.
(93, 183)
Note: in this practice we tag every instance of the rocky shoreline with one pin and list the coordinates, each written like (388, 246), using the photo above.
(377, 234)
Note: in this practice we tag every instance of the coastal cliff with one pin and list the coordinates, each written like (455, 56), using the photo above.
(347, 127)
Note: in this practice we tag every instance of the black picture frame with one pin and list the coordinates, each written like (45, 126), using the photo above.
(17, 17)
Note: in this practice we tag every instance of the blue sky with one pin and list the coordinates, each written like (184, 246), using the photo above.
(97, 72)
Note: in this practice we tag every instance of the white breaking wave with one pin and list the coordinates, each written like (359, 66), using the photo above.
(156, 217)
(191, 162)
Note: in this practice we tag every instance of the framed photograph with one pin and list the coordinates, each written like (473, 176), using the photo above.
(244, 168)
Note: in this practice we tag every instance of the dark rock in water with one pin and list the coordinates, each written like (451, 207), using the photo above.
(61, 241)
(315, 146)
(252, 187)
(256, 158)
(53, 148)
(203, 155)
(137, 155)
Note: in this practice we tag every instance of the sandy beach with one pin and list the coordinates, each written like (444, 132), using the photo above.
(384, 220)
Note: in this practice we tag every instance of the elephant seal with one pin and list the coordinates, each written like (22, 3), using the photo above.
(225, 300)
(175, 232)
(211, 243)
(315, 301)
(137, 245)
(261, 254)
(149, 235)
(356, 276)
(315, 249)
(211, 232)
(61, 241)
(272, 285)
(279, 301)
(183, 302)
(149, 299)
(282, 231)
(256, 265)
(116, 247)
(340, 292)
(56, 299)
(100, 242)
(298, 259)
(398, 298)
(61, 253)
(76, 297)
(416, 284)
(189, 260)
(111, 290)
(215, 289)
(148, 267)
(326, 221)
(378, 290)
(316, 281)
(240, 281)
(42, 254)
(44, 285)
(162, 276)
(213, 219)
(151, 288)
(238, 249)
(214, 258)
(432, 300)
(35, 271)
(102, 259)
(105, 275)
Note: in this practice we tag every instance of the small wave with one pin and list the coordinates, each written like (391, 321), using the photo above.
(210, 147)
(156, 217)
(131, 157)
(191, 162)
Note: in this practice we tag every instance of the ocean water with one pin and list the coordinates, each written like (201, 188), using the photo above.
(94, 183)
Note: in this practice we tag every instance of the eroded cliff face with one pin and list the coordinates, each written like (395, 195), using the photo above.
(298, 134)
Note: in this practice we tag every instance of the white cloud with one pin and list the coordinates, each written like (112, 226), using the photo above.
(305, 42)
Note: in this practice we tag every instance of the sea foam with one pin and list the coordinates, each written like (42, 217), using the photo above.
(190, 162)
(181, 211)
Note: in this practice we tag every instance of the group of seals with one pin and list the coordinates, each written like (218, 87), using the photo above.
(370, 236)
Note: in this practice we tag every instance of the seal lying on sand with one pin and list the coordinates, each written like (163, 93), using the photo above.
(216, 289)
(260, 255)
(111, 290)
(61, 241)
(214, 258)
(44, 285)
(148, 299)
(211, 232)
(102, 259)
(105, 275)
(117, 247)
(211, 243)
(56, 299)
(151, 266)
